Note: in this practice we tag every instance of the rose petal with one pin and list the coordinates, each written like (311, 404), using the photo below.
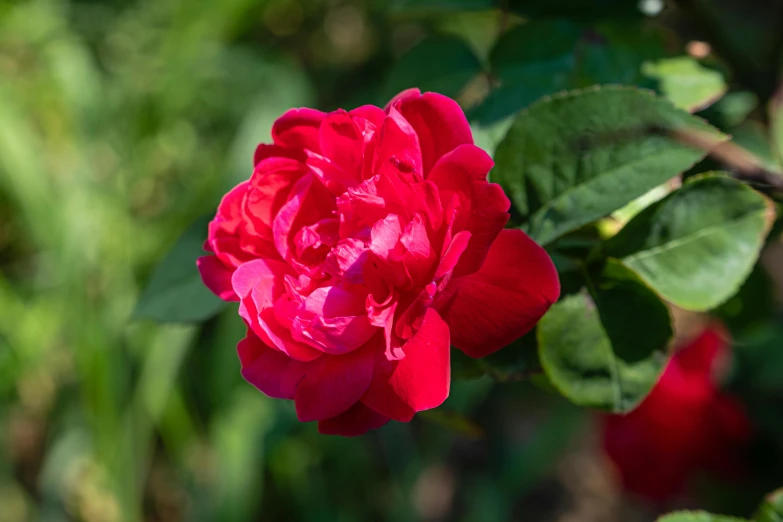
(308, 203)
(702, 354)
(298, 129)
(259, 284)
(268, 191)
(217, 277)
(419, 257)
(439, 123)
(505, 299)
(418, 381)
(271, 371)
(223, 232)
(368, 114)
(342, 142)
(483, 209)
(336, 335)
(357, 420)
(264, 151)
(336, 301)
(333, 384)
(369, 119)
(398, 145)
(450, 258)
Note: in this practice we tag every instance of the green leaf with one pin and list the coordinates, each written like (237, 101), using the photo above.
(530, 61)
(686, 83)
(732, 109)
(606, 349)
(576, 157)
(697, 516)
(771, 510)
(542, 57)
(615, 53)
(696, 246)
(440, 63)
(175, 292)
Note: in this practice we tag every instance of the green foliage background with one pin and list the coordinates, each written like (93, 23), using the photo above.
(122, 122)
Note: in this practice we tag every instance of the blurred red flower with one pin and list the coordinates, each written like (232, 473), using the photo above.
(364, 244)
(686, 424)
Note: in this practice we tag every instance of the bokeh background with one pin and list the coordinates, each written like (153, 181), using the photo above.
(123, 121)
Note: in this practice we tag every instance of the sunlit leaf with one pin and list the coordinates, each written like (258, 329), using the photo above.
(686, 83)
(696, 246)
(606, 348)
(573, 158)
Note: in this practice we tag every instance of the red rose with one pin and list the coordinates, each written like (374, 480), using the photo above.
(685, 425)
(365, 243)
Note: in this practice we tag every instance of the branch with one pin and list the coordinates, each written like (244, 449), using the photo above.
(742, 164)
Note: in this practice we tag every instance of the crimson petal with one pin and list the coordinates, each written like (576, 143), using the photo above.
(298, 129)
(271, 371)
(463, 172)
(420, 380)
(333, 384)
(514, 288)
(438, 121)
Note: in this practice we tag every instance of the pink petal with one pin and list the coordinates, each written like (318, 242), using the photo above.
(371, 115)
(419, 257)
(369, 119)
(398, 145)
(333, 384)
(317, 239)
(418, 381)
(453, 252)
(336, 335)
(308, 203)
(412, 93)
(260, 272)
(272, 372)
(332, 175)
(505, 299)
(342, 142)
(357, 420)
(264, 151)
(360, 207)
(259, 284)
(268, 191)
(229, 211)
(223, 232)
(336, 301)
(347, 259)
(298, 129)
(217, 277)
(483, 206)
(385, 235)
(438, 121)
